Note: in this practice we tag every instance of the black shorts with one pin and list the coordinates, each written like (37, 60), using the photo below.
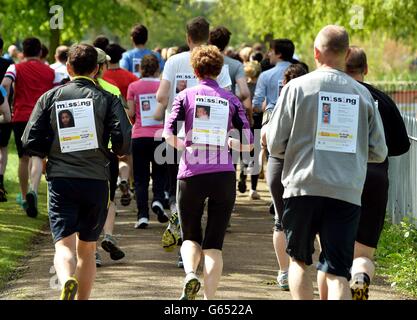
(273, 178)
(5, 132)
(18, 129)
(77, 206)
(114, 174)
(192, 193)
(374, 204)
(336, 223)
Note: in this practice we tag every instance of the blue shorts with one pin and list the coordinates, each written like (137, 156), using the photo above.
(335, 221)
(77, 206)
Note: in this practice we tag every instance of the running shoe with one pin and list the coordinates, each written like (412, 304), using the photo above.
(22, 203)
(32, 204)
(158, 208)
(99, 262)
(191, 287)
(142, 223)
(172, 234)
(360, 287)
(254, 195)
(242, 186)
(180, 263)
(3, 193)
(109, 244)
(125, 198)
(282, 281)
(69, 289)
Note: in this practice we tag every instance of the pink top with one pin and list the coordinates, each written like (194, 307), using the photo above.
(143, 90)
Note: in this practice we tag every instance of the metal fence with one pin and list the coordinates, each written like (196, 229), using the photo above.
(402, 195)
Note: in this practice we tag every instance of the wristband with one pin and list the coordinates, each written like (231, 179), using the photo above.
(3, 91)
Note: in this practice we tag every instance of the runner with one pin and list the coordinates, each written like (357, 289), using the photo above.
(177, 73)
(60, 65)
(109, 243)
(146, 138)
(202, 170)
(5, 128)
(131, 59)
(324, 164)
(121, 77)
(77, 169)
(274, 173)
(31, 78)
(375, 190)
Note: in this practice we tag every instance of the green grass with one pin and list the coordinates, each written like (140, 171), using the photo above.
(17, 230)
(396, 256)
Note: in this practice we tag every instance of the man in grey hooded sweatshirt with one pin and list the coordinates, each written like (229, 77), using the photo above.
(326, 127)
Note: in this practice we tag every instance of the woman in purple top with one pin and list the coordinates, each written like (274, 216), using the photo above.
(211, 115)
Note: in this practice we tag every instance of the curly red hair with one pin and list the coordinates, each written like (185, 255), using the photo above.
(207, 61)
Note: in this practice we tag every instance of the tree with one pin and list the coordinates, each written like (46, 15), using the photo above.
(300, 20)
(21, 18)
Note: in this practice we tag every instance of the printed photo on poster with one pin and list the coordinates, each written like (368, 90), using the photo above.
(146, 105)
(181, 85)
(66, 119)
(326, 108)
(202, 112)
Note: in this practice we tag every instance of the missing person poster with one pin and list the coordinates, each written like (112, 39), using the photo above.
(76, 125)
(136, 66)
(211, 116)
(147, 104)
(184, 81)
(337, 122)
(280, 86)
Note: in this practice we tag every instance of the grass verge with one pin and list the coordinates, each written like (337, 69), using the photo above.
(17, 230)
(396, 256)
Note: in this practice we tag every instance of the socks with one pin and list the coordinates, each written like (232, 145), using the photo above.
(361, 277)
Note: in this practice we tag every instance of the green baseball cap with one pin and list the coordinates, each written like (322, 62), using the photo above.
(102, 57)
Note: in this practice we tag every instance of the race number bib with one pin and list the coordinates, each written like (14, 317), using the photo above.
(76, 125)
(136, 66)
(211, 116)
(184, 81)
(337, 122)
(147, 104)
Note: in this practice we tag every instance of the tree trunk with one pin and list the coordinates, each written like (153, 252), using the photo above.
(54, 42)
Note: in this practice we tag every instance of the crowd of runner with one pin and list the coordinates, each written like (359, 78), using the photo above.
(186, 118)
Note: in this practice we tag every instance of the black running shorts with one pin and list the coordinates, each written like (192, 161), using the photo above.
(18, 129)
(114, 174)
(5, 133)
(77, 206)
(273, 178)
(336, 223)
(374, 204)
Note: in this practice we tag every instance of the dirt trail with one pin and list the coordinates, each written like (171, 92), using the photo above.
(148, 272)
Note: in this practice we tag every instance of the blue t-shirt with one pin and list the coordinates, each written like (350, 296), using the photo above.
(131, 60)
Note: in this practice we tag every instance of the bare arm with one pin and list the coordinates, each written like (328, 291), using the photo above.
(4, 107)
(131, 108)
(162, 97)
(244, 92)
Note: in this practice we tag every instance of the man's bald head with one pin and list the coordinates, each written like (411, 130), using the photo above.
(332, 40)
(61, 54)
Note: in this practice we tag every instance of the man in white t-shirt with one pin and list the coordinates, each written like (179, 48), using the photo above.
(60, 68)
(178, 74)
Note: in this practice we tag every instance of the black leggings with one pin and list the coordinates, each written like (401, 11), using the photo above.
(220, 189)
(273, 178)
